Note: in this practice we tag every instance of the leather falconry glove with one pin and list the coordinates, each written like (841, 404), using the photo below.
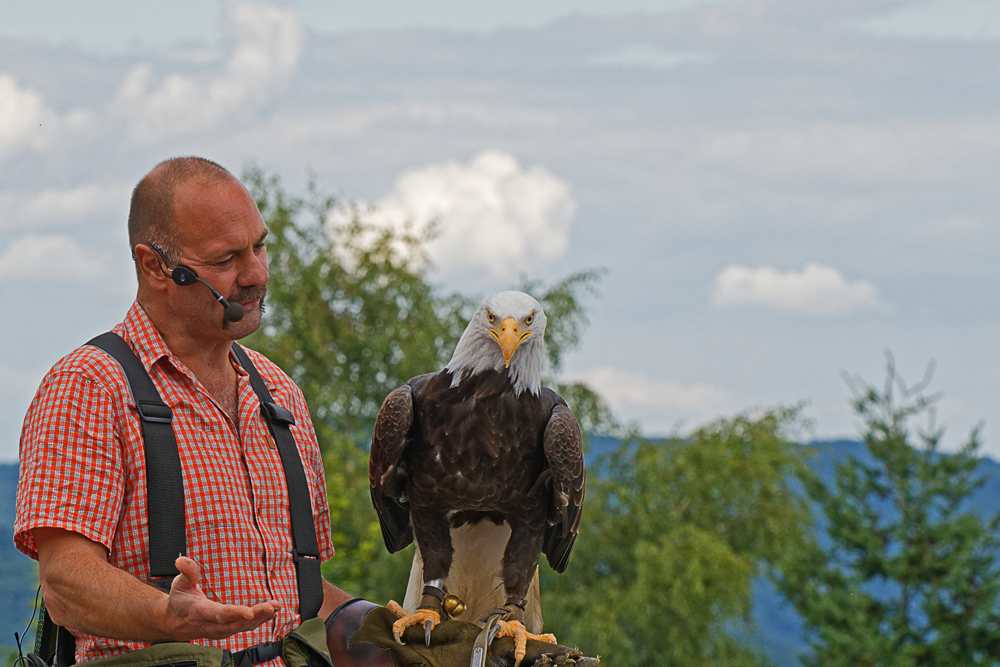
(360, 633)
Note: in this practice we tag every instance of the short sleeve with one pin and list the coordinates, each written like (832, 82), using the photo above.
(71, 474)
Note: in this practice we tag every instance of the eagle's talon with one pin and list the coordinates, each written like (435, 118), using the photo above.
(428, 617)
(521, 636)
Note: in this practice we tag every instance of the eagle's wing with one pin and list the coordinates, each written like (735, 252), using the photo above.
(564, 454)
(384, 476)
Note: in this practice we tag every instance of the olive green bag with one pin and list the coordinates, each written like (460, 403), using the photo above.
(303, 647)
(306, 645)
(174, 654)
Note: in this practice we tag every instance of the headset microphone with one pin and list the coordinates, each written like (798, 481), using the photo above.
(183, 275)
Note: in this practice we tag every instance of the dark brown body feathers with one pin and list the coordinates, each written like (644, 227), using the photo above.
(442, 456)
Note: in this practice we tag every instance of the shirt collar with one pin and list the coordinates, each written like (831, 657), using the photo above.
(148, 344)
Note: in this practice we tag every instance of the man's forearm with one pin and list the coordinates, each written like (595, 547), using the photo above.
(333, 597)
(84, 592)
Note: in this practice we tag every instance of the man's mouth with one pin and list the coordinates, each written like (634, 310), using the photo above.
(250, 298)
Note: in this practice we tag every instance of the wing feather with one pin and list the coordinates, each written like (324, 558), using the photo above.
(385, 476)
(564, 454)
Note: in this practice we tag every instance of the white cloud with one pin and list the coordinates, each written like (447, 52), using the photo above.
(816, 290)
(972, 20)
(657, 403)
(963, 223)
(19, 384)
(491, 213)
(647, 55)
(28, 123)
(24, 117)
(898, 151)
(50, 257)
(17, 387)
(266, 45)
(21, 210)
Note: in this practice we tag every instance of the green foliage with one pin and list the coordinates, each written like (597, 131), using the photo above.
(673, 534)
(920, 587)
(351, 316)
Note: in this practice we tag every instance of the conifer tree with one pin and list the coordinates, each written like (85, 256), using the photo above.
(904, 573)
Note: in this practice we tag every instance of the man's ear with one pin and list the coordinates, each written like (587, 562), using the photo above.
(150, 269)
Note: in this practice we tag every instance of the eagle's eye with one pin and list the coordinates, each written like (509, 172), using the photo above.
(529, 319)
(490, 316)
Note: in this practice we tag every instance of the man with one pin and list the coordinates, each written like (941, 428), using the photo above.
(81, 501)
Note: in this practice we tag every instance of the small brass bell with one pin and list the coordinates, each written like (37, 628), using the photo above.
(453, 605)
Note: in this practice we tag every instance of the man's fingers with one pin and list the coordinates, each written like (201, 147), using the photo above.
(232, 613)
(190, 573)
(268, 608)
(257, 614)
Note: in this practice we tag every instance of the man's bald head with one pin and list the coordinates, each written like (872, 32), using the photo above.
(151, 217)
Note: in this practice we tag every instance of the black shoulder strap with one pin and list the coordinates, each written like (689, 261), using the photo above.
(164, 482)
(304, 545)
(165, 492)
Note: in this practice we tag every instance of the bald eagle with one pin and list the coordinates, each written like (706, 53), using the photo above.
(483, 467)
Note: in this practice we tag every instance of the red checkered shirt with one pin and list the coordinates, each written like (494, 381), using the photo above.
(83, 469)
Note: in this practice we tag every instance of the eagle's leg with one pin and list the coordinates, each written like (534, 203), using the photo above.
(433, 535)
(520, 559)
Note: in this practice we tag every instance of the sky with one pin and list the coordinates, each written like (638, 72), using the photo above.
(779, 193)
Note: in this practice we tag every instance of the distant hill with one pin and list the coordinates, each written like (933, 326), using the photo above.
(18, 573)
(779, 627)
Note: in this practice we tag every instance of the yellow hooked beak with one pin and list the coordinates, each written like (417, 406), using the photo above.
(508, 338)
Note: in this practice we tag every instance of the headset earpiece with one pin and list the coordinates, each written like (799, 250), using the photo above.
(182, 275)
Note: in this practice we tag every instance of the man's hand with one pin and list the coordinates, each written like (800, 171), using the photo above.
(84, 592)
(194, 616)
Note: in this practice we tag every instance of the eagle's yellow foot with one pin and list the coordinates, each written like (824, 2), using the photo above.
(521, 636)
(428, 617)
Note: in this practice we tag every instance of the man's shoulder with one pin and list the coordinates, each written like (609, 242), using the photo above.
(90, 362)
(84, 375)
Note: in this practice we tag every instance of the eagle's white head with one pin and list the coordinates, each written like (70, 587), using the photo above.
(506, 332)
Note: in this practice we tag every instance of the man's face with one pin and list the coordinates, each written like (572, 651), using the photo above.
(220, 235)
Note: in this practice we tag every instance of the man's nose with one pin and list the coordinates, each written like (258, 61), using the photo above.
(255, 272)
